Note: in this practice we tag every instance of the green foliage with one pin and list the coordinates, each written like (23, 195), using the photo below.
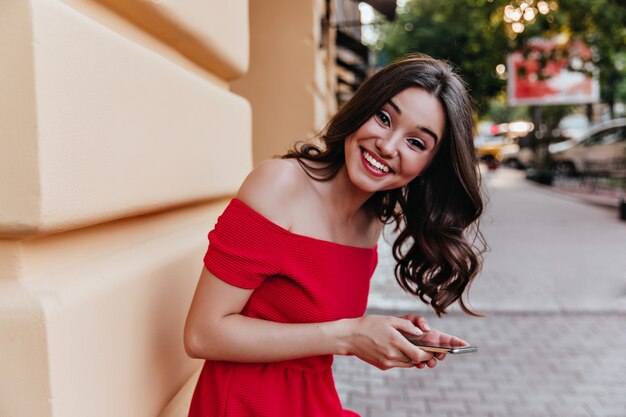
(473, 36)
(460, 31)
(620, 84)
(500, 112)
(621, 91)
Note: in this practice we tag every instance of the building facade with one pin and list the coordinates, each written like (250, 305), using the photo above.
(125, 128)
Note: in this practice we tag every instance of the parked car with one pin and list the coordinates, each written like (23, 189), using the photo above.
(517, 157)
(500, 143)
(573, 126)
(526, 155)
(490, 148)
(571, 130)
(601, 151)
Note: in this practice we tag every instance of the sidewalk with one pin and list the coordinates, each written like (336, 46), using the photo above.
(591, 190)
(528, 365)
(553, 343)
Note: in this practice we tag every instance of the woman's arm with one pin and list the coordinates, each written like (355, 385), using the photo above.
(216, 330)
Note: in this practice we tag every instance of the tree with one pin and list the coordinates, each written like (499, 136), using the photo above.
(459, 31)
(473, 35)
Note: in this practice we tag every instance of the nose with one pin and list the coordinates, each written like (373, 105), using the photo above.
(388, 146)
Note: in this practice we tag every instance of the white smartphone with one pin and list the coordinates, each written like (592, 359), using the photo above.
(429, 347)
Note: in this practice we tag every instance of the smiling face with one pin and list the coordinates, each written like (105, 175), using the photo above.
(397, 143)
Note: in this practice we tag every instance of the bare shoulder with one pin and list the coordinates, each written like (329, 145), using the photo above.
(272, 188)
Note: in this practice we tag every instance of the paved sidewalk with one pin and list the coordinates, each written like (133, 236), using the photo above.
(528, 365)
(553, 343)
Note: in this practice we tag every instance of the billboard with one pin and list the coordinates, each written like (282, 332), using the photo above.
(546, 72)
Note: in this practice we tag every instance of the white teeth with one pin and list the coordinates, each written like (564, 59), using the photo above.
(369, 158)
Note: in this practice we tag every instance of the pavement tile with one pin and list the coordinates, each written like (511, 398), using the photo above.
(569, 410)
(553, 342)
(367, 400)
(374, 411)
(413, 407)
(460, 395)
(482, 409)
(442, 406)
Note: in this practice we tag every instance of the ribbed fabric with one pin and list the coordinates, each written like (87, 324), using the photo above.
(297, 279)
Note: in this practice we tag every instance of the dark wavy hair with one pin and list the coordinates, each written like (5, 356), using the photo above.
(438, 245)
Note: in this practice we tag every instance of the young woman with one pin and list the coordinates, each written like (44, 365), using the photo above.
(287, 270)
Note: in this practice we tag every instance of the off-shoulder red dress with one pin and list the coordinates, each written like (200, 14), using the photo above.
(296, 279)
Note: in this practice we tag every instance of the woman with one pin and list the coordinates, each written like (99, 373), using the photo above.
(287, 271)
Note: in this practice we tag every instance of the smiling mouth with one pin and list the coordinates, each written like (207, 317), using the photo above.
(374, 164)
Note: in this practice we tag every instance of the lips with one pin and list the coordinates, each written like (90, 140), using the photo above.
(375, 165)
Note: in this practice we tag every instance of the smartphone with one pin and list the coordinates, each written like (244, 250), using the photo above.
(429, 347)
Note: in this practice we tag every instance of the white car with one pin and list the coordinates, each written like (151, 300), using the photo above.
(516, 157)
(601, 151)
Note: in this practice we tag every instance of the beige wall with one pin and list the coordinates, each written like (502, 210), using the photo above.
(120, 143)
(290, 83)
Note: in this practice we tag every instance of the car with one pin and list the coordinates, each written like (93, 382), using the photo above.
(489, 148)
(520, 156)
(498, 143)
(517, 157)
(573, 126)
(601, 151)
(571, 130)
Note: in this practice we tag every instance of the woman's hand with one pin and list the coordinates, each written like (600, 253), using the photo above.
(377, 340)
(433, 337)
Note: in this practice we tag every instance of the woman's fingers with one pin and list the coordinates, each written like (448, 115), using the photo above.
(399, 362)
(406, 325)
(418, 355)
(423, 324)
(418, 321)
(435, 337)
(385, 350)
(420, 358)
(432, 335)
(430, 363)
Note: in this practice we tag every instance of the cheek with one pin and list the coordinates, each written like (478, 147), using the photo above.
(370, 126)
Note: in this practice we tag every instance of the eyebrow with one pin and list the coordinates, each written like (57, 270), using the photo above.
(422, 128)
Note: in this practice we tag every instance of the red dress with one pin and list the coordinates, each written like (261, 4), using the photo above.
(296, 279)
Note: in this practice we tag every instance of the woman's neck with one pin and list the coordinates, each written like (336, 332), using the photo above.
(345, 198)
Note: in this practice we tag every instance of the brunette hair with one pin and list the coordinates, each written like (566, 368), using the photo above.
(438, 245)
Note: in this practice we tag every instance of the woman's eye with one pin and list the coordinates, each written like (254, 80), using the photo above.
(417, 143)
(383, 117)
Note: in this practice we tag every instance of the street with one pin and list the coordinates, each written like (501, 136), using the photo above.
(553, 342)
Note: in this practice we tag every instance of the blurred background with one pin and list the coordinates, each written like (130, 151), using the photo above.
(543, 74)
(127, 126)
(548, 81)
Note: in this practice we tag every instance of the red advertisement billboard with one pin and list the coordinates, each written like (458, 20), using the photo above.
(547, 72)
